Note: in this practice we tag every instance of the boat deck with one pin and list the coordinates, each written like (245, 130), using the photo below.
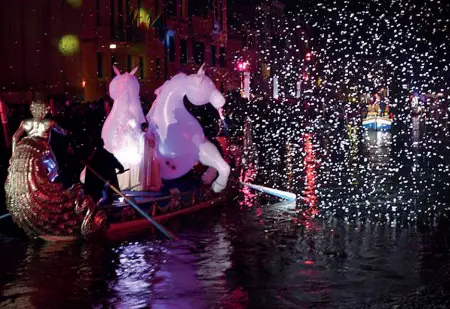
(183, 186)
(178, 196)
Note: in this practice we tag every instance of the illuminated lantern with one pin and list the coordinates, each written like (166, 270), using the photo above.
(305, 76)
(243, 66)
(308, 56)
(69, 45)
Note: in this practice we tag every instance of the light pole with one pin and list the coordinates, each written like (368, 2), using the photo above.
(244, 68)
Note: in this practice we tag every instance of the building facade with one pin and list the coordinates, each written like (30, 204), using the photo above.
(275, 43)
(67, 48)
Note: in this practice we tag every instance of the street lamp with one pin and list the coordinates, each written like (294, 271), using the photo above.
(244, 68)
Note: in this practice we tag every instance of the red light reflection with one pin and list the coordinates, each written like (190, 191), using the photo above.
(247, 175)
(310, 170)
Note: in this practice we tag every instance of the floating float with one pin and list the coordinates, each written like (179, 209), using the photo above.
(375, 122)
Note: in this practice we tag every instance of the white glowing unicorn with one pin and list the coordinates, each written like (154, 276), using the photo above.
(180, 139)
(121, 131)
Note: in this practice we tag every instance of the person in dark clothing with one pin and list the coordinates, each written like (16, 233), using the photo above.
(69, 166)
(105, 164)
(382, 107)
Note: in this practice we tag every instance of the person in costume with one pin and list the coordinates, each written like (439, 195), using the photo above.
(39, 127)
(149, 172)
(37, 203)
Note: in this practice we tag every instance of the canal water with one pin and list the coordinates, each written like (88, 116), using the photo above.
(369, 231)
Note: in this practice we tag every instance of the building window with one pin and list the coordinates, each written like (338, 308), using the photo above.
(170, 7)
(113, 62)
(183, 51)
(171, 48)
(221, 12)
(127, 8)
(129, 63)
(113, 20)
(223, 57)
(199, 53)
(250, 41)
(213, 55)
(199, 7)
(99, 65)
(184, 9)
(120, 19)
(157, 7)
(97, 13)
(158, 68)
(141, 67)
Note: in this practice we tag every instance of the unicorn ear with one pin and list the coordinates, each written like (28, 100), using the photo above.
(116, 70)
(201, 71)
(134, 70)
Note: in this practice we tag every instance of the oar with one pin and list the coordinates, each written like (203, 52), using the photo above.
(4, 216)
(129, 201)
(283, 194)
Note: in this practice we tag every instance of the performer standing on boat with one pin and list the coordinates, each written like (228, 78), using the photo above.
(150, 177)
(105, 163)
(38, 205)
(38, 127)
(382, 106)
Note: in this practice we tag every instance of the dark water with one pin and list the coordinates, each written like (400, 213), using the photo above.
(371, 233)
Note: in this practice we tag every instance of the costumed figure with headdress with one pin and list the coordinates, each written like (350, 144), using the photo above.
(150, 163)
(38, 204)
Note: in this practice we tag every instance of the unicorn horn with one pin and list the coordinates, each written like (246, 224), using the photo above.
(201, 71)
(134, 70)
(116, 70)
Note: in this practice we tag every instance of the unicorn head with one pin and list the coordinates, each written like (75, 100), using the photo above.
(200, 90)
(124, 82)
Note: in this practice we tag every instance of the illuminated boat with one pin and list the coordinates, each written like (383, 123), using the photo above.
(374, 122)
(179, 198)
(182, 197)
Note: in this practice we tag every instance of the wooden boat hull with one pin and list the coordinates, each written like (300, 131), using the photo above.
(121, 229)
(184, 199)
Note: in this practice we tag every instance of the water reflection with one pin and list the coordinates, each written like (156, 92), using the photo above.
(309, 162)
(355, 249)
(52, 274)
(136, 265)
(247, 197)
(230, 261)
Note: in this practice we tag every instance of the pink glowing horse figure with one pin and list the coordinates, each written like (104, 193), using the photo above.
(180, 139)
(121, 131)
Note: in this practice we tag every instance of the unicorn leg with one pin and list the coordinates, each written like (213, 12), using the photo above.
(209, 175)
(210, 156)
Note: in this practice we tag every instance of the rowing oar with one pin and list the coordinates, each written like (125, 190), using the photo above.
(283, 194)
(129, 201)
(4, 216)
